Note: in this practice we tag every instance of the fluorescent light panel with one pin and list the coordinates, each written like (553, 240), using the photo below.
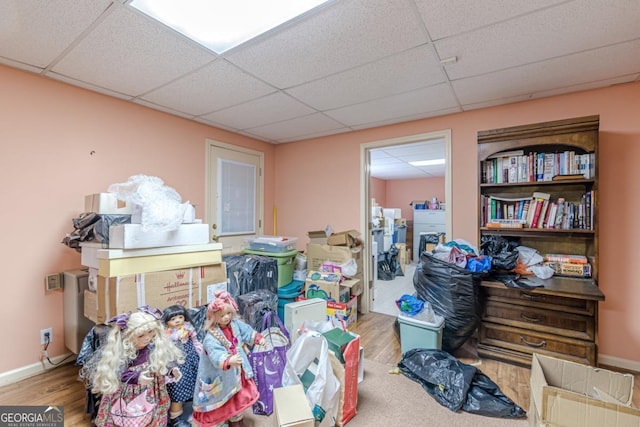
(223, 24)
(428, 162)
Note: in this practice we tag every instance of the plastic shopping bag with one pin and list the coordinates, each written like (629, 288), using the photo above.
(308, 364)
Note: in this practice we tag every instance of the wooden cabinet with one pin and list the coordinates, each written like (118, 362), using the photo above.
(516, 166)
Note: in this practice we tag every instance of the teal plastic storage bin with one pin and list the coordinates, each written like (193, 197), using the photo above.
(285, 260)
(415, 333)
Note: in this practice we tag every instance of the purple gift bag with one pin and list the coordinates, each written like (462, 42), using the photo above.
(268, 361)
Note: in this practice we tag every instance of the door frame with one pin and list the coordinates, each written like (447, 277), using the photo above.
(365, 198)
(209, 144)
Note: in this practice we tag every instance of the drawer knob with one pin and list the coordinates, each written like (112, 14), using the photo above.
(531, 297)
(543, 343)
(533, 319)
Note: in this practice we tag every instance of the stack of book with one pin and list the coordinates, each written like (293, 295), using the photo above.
(568, 265)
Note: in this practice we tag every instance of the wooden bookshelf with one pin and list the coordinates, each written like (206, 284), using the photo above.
(559, 319)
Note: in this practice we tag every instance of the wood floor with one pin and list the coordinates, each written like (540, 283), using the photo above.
(60, 385)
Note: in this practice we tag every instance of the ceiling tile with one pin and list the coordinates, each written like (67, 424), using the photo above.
(388, 76)
(258, 112)
(297, 127)
(339, 37)
(420, 100)
(579, 68)
(216, 86)
(547, 34)
(131, 54)
(36, 32)
(445, 18)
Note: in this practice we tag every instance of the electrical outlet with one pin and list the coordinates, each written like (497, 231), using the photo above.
(53, 282)
(46, 336)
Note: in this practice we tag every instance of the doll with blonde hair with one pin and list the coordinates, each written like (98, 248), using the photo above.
(225, 385)
(131, 369)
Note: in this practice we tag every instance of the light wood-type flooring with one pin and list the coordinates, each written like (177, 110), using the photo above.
(60, 386)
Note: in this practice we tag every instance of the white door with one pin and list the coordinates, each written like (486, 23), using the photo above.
(234, 194)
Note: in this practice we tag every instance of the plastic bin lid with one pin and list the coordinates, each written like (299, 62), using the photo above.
(415, 320)
(291, 253)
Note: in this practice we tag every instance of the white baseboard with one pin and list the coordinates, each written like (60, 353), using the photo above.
(28, 371)
(626, 364)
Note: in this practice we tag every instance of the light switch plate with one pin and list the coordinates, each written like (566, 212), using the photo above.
(53, 282)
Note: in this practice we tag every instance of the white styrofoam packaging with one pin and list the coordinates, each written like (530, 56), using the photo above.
(106, 204)
(189, 216)
(132, 236)
(89, 253)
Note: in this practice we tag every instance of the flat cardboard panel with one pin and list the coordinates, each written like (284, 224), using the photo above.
(291, 408)
(189, 287)
(562, 394)
(91, 306)
(133, 236)
(146, 264)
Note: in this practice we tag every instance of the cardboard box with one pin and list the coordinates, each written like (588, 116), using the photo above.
(91, 305)
(189, 287)
(317, 254)
(350, 238)
(291, 408)
(112, 263)
(328, 286)
(570, 394)
(106, 204)
(133, 236)
(89, 253)
(348, 313)
(318, 237)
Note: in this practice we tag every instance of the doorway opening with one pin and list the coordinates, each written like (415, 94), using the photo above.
(368, 154)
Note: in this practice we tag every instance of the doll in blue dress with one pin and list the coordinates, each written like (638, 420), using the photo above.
(180, 330)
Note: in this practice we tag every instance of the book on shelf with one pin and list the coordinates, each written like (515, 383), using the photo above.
(569, 269)
(538, 220)
(505, 223)
(568, 177)
(537, 201)
(566, 258)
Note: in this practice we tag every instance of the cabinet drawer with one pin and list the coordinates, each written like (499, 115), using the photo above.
(537, 319)
(527, 342)
(539, 300)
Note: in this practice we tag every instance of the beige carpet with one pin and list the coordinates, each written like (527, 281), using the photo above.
(394, 400)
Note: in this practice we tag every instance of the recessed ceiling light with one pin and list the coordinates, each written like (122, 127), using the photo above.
(223, 24)
(428, 162)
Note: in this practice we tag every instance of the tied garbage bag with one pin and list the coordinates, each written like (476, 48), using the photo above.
(456, 385)
(453, 294)
(503, 252)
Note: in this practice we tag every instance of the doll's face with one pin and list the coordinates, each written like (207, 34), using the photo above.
(176, 321)
(225, 316)
(142, 340)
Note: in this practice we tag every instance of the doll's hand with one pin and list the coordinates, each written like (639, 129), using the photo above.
(235, 360)
(262, 341)
(176, 374)
(145, 378)
(198, 346)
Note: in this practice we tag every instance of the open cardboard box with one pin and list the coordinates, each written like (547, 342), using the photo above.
(570, 394)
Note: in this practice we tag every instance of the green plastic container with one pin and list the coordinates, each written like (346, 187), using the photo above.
(285, 260)
(416, 333)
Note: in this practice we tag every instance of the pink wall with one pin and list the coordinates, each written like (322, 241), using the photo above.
(333, 196)
(401, 192)
(49, 130)
(378, 190)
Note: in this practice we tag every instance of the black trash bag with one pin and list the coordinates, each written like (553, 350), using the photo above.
(456, 385)
(385, 270)
(248, 273)
(453, 293)
(503, 252)
(394, 262)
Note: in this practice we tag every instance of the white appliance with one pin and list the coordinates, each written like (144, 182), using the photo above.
(425, 221)
(76, 326)
(314, 309)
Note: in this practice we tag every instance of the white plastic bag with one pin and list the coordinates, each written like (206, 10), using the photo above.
(308, 364)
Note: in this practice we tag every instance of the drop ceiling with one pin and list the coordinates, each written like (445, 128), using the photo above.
(348, 65)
